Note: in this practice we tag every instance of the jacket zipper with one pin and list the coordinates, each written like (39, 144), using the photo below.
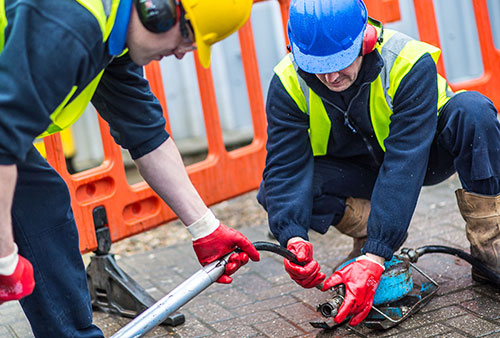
(350, 123)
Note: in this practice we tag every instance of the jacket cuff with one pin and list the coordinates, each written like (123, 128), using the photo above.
(289, 232)
(149, 146)
(378, 248)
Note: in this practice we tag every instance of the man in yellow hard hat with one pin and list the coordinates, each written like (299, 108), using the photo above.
(55, 57)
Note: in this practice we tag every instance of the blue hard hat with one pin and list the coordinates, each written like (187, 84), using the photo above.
(326, 35)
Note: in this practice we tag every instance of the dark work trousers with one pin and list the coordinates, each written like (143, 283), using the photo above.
(46, 234)
(467, 141)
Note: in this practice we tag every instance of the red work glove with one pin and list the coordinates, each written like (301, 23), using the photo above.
(219, 243)
(361, 279)
(307, 276)
(19, 284)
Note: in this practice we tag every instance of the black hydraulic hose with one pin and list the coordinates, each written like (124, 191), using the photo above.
(487, 272)
(277, 249)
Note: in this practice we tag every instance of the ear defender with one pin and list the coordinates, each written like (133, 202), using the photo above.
(370, 39)
(157, 16)
(371, 36)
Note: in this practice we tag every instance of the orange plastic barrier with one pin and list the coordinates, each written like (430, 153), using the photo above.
(383, 10)
(489, 82)
(132, 209)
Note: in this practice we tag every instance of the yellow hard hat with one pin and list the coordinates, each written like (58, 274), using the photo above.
(215, 20)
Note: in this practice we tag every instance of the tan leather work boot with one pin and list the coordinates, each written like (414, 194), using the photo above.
(482, 216)
(353, 224)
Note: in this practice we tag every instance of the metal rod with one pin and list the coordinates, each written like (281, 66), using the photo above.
(424, 274)
(178, 297)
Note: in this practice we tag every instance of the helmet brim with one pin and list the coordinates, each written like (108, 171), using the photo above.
(202, 48)
(323, 64)
(213, 21)
(204, 51)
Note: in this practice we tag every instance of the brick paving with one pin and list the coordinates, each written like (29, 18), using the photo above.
(263, 302)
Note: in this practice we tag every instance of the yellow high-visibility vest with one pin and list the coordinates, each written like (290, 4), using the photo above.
(399, 52)
(71, 108)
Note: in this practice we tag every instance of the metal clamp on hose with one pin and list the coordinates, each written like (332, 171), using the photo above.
(332, 305)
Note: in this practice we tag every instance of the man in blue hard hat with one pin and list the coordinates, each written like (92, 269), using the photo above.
(358, 121)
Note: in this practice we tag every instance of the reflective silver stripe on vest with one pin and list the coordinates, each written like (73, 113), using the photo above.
(106, 4)
(449, 93)
(389, 52)
(303, 86)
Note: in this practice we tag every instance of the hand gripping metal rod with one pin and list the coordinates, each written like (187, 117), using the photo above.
(178, 297)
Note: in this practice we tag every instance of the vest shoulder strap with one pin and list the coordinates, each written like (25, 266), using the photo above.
(3, 24)
(308, 102)
(289, 78)
(105, 13)
(400, 53)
